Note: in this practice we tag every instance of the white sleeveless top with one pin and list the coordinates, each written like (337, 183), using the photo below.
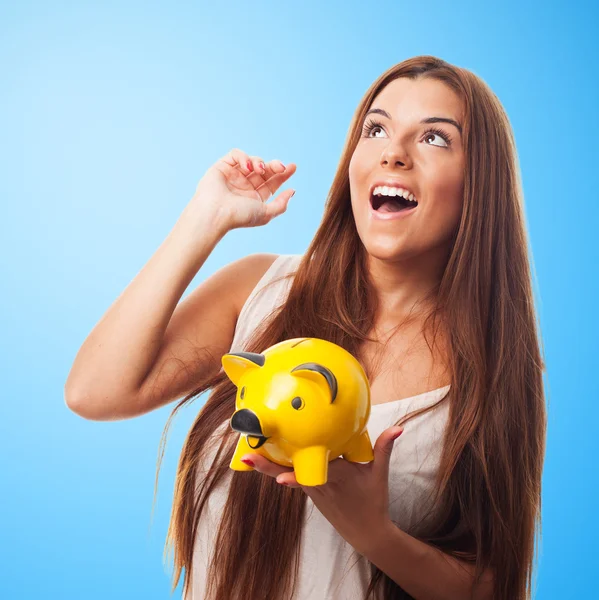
(330, 568)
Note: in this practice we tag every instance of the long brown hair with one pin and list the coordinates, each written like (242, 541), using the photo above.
(488, 491)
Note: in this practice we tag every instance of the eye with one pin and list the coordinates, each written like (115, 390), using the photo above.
(297, 403)
(242, 392)
(371, 125)
(440, 133)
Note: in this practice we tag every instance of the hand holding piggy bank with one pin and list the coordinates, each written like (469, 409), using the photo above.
(302, 402)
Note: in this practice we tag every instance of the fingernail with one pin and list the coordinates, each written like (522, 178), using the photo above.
(247, 461)
(397, 435)
(284, 167)
(262, 166)
(249, 165)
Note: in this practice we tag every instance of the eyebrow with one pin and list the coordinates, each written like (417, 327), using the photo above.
(453, 122)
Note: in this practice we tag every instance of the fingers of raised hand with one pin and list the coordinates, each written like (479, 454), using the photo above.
(265, 177)
(252, 167)
(267, 170)
(268, 180)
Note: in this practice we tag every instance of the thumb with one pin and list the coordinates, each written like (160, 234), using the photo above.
(279, 205)
(383, 447)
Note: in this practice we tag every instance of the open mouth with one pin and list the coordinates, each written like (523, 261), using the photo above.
(387, 204)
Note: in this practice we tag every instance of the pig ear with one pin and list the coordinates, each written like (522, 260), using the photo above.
(316, 372)
(236, 364)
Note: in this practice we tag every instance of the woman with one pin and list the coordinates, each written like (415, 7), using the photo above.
(435, 300)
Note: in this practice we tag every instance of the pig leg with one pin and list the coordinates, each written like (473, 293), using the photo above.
(311, 465)
(360, 449)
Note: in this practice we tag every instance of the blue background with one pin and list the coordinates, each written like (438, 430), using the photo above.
(110, 113)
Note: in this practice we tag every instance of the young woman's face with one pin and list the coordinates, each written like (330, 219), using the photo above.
(431, 165)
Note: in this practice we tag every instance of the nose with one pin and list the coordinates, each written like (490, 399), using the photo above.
(394, 155)
(246, 421)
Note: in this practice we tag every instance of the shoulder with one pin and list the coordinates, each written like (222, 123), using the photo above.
(247, 273)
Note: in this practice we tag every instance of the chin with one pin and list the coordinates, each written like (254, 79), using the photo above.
(387, 250)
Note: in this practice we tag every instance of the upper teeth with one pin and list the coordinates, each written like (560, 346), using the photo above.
(384, 190)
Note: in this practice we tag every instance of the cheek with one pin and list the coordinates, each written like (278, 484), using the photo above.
(444, 208)
(359, 165)
(351, 177)
(449, 209)
(453, 202)
(354, 182)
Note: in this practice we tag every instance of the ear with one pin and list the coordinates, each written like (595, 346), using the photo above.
(319, 374)
(236, 364)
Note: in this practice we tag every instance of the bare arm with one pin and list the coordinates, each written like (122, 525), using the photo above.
(140, 355)
(423, 571)
(201, 331)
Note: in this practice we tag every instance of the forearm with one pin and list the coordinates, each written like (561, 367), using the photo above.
(423, 571)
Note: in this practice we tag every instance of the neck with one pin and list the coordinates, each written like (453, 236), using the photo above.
(405, 287)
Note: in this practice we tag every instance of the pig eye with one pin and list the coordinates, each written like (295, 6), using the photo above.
(297, 403)
(242, 392)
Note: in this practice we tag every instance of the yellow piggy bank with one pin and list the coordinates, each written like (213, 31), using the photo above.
(302, 403)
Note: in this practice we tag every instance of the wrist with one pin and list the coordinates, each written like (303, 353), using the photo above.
(211, 225)
(377, 538)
